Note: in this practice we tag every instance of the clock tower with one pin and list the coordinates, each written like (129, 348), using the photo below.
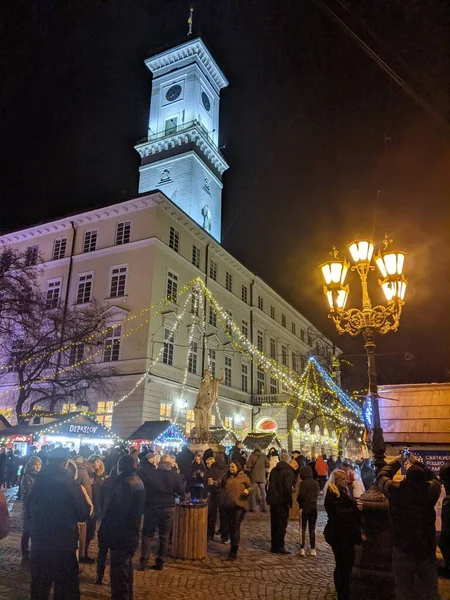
(180, 155)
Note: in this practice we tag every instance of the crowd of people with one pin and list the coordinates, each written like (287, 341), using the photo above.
(125, 497)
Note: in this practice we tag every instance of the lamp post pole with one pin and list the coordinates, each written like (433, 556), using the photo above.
(371, 575)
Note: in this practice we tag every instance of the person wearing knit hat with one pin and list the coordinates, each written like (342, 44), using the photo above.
(412, 517)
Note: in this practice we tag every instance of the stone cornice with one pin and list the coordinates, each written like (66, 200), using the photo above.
(180, 55)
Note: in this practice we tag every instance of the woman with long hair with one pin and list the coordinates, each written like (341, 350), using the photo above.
(343, 529)
(196, 478)
(236, 490)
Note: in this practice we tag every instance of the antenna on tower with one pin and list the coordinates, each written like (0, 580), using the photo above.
(190, 20)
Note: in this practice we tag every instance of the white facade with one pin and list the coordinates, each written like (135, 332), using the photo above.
(134, 252)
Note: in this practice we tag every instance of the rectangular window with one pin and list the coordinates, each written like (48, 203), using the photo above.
(228, 422)
(76, 353)
(260, 340)
(32, 256)
(228, 368)
(228, 321)
(212, 361)
(53, 293)
(105, 413)
(302, 335)
(195, 302)
(196, 254)
(123, 233)
(212, 421)
(190, 420)
(15, 355)
(283, 320)
(302, 362)
(272, 312)
(294, 361)
(68, 408)
(174, 239)
(273, 348)
(260, 303)
(170, 126)
(260, 380)
(273, 386)
(118, 281)
(172, 286)
(284, 355)
(244, 378)
(294, 328)
(84, 291)
(111, 350)
(213, 270)
(59, 248)
(192, 359)
(212, 317)
(169, 342)
(244, 328)
(228, 281)
(244, 293)
(309, 339)
(165, 411)
(90, 241)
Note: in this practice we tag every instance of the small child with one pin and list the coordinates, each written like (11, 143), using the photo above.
(307, 500)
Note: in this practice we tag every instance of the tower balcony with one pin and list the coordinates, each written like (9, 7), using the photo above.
(192, 133)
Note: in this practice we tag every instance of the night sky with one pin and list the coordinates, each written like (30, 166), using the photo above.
(323, 146)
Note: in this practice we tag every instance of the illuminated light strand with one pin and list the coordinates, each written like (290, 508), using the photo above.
(104, 331)
(158, 356)
(66, 369)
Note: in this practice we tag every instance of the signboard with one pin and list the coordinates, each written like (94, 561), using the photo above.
(432, 459)
(20, 438)
(83, 429)
(368, 412)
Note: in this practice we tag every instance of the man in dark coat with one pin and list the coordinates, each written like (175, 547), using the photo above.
(216, 469)
(162, 487)
(236, 455)
(184, 459)
(55, 505)
(123, 505)
(412, 518)
(279, 496)
(145, 472)
(256, 469)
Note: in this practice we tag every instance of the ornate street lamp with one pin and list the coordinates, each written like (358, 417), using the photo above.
(370, 320)
(371, 574)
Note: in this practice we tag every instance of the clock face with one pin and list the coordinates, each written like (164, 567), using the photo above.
(206, 102)
(173, 93)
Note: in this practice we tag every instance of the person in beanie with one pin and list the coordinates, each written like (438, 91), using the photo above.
(119, 530)
(307, 500)
(279, 496)
(256, 469)
(236, 491)
(412, 518)
(30, 472)
(444, 539)
(55, 506)
(162, 487)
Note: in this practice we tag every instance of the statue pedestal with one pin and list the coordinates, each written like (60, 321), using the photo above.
(195, 445)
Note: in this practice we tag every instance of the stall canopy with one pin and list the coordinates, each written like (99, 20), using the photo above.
(223, 436)
(264, 440)
(70, 425)
(157, 431)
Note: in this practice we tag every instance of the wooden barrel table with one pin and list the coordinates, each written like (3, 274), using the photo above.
(190, 526)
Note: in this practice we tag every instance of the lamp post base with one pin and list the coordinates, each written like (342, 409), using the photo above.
(372, 577)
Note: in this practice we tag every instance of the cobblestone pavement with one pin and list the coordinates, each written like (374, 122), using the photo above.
(256, 574)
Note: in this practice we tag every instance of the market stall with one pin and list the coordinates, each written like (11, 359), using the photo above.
(158, 433)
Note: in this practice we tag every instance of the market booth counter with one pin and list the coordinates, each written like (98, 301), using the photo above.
(71, 431)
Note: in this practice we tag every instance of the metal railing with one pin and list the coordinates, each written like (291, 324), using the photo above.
(260, 399)
(175, 129)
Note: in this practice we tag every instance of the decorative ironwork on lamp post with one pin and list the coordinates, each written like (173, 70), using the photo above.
(370, 320)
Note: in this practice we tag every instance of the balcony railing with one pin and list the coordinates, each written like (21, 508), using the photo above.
(262, 399)
(176, 129)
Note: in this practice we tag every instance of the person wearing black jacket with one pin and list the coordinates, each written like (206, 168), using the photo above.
(55, 505)
(162, 487)
(145, 472)
(184, 459)
(279, 496)
(195, 479)
(342, 531)
(412, 518)
(308, 493)
(237, 456)
(216, 469)
(123, 505)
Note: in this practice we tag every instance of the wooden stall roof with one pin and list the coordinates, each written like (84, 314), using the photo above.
(415, 413)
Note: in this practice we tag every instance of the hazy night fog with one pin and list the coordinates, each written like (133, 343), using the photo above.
(323, 145)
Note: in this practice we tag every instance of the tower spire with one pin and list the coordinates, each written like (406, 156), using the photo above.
(190, 20)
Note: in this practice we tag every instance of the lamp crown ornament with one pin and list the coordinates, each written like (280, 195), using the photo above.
(387, 241)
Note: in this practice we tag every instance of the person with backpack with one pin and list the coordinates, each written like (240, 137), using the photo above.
(279, 496)
(307, 500)
(256, 469)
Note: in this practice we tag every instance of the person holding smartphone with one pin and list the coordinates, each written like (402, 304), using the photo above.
(412, 517)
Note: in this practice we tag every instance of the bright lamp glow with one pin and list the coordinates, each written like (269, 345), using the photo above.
(390, 263)
(361, 250)
(335, 271)
(337, 299)
(394, 290)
